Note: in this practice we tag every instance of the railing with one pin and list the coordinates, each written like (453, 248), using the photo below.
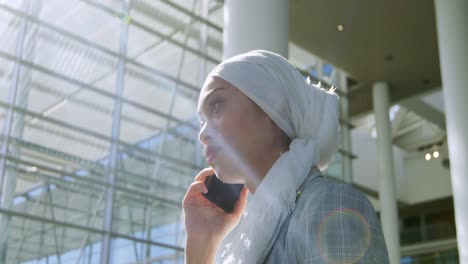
(429, 232)
(446, 257)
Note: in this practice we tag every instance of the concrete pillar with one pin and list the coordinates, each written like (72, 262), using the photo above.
(387, 190)
(452, 21)
(259, 24)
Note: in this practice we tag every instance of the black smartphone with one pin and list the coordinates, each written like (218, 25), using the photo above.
(222, 194)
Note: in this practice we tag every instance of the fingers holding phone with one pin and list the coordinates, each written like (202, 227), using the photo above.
(206, 206)
(193, 197)
(205, 173)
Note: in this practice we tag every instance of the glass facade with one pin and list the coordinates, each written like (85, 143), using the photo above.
(99, 141)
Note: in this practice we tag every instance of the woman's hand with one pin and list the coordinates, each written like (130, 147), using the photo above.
(203, 218)
(205, 223)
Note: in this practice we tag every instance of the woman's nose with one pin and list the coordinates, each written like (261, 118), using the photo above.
(205, 134)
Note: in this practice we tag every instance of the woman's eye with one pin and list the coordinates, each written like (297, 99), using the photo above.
(215, 105)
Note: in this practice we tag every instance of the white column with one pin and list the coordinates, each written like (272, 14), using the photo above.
(259, 24)
(452, 28)
(347, 169)
(387, 194)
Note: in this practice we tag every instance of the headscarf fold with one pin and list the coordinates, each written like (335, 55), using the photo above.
(308, 114)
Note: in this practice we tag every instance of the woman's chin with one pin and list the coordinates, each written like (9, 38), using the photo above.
(220, 175)
(227, 177)
(225, 172)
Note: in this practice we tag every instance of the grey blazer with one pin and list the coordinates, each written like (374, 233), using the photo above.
(332, 223)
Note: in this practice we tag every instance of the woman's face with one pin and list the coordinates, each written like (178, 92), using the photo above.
(241, 141)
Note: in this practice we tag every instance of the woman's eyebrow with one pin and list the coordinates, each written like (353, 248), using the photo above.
(208, 96)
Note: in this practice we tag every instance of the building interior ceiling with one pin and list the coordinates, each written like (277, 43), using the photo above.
(392, 41)
(370, 34)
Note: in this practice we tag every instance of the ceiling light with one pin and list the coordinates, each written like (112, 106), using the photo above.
(340, 27)
(435, 154)
(428, 156)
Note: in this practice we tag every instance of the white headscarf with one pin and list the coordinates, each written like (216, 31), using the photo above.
(308, 115)
(301, 110)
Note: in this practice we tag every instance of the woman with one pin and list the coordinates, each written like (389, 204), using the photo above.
(264, 126)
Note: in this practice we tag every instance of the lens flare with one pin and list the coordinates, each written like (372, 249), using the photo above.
(343, 236)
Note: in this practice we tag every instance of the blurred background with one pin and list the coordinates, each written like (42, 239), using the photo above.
(99, 128)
